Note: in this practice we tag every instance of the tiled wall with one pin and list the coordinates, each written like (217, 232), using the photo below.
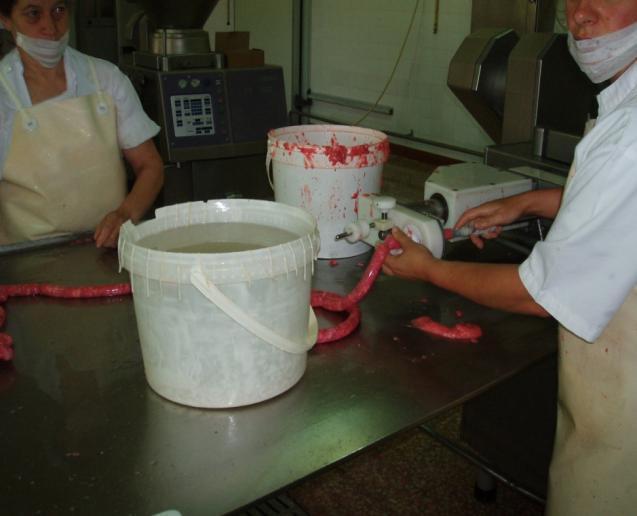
(355, 44)
(270, 26)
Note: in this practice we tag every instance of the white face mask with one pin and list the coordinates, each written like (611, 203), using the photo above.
(604, 57)
(47, 52)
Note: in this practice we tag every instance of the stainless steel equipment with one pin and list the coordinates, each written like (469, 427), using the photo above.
(208, 114)
(478, 73)
(176, 40)
(84, 432)
(521, 15)
(449, 192)
(378, 214)
(527, 91)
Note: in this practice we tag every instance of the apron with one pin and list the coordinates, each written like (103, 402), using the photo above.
(594, 465)
(63, 172)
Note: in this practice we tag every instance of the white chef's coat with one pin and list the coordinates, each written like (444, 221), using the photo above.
(587, 265)
(133, 125)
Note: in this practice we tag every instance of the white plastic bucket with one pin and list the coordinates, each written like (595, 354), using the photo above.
(325, 169)
(223, 329)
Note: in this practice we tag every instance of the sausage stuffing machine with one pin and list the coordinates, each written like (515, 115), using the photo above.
(214, 119)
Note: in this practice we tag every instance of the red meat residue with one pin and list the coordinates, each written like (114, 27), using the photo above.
(349, 303)
(337, 154)
(48, 290)
(461, 331)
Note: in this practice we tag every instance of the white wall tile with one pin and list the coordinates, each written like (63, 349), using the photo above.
(354, 47)
(355, 44)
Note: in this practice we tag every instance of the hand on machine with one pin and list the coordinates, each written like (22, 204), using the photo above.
(466, 200)
(378, 214)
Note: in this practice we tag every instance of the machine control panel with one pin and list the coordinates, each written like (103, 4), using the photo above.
(212, 113)
(196, 109)
(192, 115)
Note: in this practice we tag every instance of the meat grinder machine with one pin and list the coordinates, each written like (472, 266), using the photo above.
(449, 192)
(214, 120)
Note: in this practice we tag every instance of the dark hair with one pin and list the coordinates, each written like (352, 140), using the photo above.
(6, 7)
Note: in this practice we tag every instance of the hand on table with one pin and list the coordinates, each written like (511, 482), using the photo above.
(107, 231)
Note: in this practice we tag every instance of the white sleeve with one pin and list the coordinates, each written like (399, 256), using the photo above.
(133, 124)
(587, 265)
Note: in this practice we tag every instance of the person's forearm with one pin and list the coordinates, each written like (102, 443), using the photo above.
(541, 203)
(493, 285)
(147, 185)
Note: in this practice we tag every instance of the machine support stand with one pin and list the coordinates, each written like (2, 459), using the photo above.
(485, 489)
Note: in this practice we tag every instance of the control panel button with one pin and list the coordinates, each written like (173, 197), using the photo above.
(190, 118)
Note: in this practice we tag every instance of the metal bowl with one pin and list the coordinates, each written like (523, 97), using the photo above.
(185, 14)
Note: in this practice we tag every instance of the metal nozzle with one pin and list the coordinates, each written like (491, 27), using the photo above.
(340, 236)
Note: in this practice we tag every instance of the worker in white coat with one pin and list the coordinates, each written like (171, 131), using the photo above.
(584, 274)
(66, 119)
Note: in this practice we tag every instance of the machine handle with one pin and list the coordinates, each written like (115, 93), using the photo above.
(213, 294)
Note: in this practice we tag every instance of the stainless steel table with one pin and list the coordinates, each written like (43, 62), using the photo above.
(82, 432)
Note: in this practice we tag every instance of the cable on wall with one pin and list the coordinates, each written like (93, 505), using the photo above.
(393, 72)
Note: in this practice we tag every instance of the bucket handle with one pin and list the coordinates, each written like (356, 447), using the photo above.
(212, 293)
(268, 162)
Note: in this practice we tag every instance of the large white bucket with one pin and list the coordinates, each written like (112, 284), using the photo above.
(325, 169)
(221, 291)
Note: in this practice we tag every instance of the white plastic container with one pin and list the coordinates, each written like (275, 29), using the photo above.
(223, 329)
(325, 169)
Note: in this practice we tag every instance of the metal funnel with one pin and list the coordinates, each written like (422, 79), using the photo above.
(182, 14)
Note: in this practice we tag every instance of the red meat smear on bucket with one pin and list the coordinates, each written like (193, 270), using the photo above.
(363, 155)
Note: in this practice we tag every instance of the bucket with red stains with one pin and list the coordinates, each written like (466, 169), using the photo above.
(325, 169)
(221, 291)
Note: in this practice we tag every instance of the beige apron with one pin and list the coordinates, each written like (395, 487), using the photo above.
(594, 465)
(63, 172)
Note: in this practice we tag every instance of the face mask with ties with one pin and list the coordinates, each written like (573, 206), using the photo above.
(604, 57)
(47, 52)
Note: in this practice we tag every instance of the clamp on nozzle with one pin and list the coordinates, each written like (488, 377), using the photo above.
(355, 231)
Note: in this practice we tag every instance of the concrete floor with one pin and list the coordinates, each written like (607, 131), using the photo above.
(408, 474)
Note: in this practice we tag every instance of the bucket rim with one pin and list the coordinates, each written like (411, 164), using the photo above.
(328, 155)
(269, 261)
(168, 211)
(315, 128)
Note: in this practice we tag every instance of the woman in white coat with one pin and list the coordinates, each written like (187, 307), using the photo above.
(66, 119)
(584, 274)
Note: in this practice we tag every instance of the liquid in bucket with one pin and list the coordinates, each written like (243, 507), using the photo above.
(222, 299)
(216, 237)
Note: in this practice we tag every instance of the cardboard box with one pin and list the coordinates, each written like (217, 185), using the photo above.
(236, 40)
(245, 58)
